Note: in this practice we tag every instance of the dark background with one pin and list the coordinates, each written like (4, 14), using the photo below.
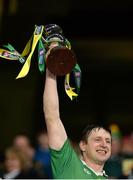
(101, 34)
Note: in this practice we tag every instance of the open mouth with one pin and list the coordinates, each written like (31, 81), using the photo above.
(101, 151)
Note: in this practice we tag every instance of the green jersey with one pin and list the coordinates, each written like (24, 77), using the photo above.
(67, 165)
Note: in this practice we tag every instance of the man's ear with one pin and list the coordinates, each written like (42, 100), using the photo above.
(82, 146)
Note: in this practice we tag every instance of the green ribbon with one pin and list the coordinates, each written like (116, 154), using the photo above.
(77, 75)
(13, 50)
(41, 56)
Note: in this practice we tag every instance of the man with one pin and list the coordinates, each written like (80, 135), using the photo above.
(95, 143)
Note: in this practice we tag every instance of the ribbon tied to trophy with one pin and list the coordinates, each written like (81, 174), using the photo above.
(54, 51)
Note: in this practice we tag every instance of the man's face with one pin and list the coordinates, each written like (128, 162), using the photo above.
(97, 149)
(12, 162)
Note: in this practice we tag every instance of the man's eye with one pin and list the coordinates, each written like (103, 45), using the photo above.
(109, 142)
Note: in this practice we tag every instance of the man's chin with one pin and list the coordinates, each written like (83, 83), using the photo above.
(101, 160)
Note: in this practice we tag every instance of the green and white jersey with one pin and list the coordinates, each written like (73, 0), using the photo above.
(67, 165)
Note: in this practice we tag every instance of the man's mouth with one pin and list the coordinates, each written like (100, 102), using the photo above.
(101, 151)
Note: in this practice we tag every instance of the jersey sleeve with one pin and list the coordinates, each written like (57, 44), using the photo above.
(62, 159)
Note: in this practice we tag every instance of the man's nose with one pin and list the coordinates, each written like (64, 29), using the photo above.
(103, 143)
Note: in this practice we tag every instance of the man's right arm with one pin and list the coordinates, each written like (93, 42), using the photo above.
(56, 131)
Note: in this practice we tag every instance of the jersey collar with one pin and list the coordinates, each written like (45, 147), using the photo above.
(103, 173)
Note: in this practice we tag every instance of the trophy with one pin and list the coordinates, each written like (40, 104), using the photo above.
(54, 50)
(60, 59)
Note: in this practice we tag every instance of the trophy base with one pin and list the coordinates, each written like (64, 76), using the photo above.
(60, 61)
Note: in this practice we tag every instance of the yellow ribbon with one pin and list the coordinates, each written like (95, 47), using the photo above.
(25, 69)
(68, 89)
(27, 48)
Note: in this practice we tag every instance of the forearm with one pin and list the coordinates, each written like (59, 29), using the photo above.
(50, 98)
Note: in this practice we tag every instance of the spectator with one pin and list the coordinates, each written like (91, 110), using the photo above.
(16, 165)
(42, 154)
(22, 143)
(113, 166)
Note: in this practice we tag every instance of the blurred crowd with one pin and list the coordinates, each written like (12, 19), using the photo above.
(24, 161)
(120, 164)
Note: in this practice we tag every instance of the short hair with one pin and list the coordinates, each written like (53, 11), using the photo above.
(89, 128)
(19, 155)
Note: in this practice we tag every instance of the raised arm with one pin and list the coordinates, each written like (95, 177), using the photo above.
(56, 132)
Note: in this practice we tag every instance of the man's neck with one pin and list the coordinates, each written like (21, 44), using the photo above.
(96, 167)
